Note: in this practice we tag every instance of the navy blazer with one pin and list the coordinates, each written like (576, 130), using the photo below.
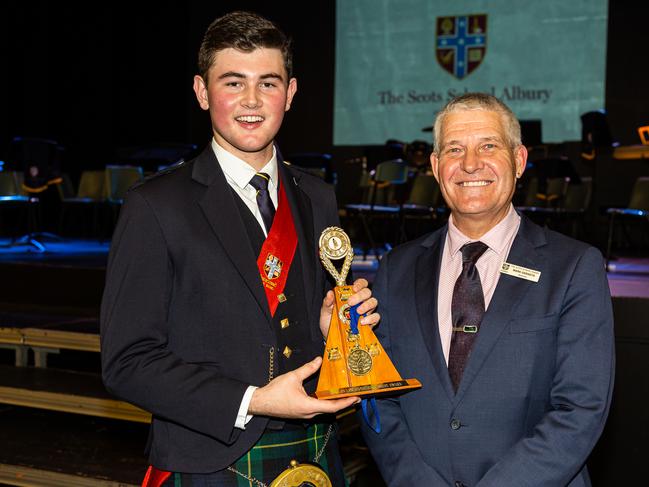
(185, 323)
(536, 391)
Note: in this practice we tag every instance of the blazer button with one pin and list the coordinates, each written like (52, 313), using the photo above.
(458, 484)
(455, 424)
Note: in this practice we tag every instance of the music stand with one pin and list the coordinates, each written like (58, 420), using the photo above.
(40, 162)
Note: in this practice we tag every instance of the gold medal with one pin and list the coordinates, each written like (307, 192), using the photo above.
(359, 361)
(334, 243)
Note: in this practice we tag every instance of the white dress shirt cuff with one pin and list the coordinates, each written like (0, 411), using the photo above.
(242, 416)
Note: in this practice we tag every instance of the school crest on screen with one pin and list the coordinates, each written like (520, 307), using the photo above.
(461, 43)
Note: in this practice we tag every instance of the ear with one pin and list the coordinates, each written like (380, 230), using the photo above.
(200, 88)
(520, 158)
(290, 93)
(434, 164)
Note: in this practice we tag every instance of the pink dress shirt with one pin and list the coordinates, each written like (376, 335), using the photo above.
(499, 239)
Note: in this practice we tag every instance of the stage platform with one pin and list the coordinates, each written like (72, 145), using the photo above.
(628, 276)
(51, 394)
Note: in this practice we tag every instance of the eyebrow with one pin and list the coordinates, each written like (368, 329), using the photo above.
(235, 74)
(491, 138)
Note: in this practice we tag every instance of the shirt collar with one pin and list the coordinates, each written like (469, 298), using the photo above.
(239, 171)
(496, 238)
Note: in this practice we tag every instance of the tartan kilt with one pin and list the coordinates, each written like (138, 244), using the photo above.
(270, 456)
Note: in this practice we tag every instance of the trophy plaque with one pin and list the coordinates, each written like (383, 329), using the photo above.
(354, 362)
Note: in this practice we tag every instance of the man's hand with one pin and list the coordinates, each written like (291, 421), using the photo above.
(284, 396)
(362, 294)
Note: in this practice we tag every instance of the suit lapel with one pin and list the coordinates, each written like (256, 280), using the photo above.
(218, 206)
(426, 285)
(508, 293)
(301, 210)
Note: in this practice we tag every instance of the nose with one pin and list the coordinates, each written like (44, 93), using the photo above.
(251, 98)
(472, 162)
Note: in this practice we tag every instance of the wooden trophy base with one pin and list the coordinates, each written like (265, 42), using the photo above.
(355, 364)
(386, 388)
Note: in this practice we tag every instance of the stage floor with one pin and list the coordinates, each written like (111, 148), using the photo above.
(628, 276)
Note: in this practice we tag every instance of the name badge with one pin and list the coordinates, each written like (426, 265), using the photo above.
(520, 272)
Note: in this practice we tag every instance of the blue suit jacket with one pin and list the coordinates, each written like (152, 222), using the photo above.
(536, 391)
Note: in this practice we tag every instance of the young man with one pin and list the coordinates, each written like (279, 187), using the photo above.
(216, 304)
(507, 325)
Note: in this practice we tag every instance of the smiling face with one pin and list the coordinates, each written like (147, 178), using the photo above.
(476, 168)
(247, 96)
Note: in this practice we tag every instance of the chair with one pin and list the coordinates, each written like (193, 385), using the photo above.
(576, 202)
(578, 196)
(538, 198)
(422, 203)
(418, 155)
(118, 179)
(638, 208)
(315, 163)
(569, 208)
(352, 179)
(383, 199)
(153, 156)
(595, 133)
(90, 194)
(563, 206)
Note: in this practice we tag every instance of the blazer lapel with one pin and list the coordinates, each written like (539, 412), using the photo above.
(302, 212)
(426, 285)
(218, 206)
(509, 291)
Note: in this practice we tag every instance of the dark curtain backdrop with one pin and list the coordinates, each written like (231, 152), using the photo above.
(104, 75)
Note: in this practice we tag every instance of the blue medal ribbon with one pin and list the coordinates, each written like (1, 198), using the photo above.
(354, 317)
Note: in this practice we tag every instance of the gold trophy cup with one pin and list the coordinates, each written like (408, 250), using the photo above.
(354, 362)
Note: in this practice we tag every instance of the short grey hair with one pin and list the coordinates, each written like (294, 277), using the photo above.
(479, 101)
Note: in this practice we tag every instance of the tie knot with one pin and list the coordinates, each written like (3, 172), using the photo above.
(260, 181)
(471, 252)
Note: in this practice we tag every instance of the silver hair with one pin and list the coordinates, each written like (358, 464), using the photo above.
(479, 101)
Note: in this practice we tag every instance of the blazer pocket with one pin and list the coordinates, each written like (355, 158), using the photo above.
(533, 323)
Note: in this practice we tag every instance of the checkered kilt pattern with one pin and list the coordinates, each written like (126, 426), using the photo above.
(270, 456)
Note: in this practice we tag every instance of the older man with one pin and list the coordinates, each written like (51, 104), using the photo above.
(507, 325)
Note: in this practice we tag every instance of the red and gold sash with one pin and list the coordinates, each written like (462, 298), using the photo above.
(277, 253)
(155, 477)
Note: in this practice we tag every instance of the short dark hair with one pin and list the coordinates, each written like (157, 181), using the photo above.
(479, 101)
(243, 31)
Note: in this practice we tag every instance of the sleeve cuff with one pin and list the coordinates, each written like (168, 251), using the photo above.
(242, 416)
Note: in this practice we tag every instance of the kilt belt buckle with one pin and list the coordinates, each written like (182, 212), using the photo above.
(298, 474)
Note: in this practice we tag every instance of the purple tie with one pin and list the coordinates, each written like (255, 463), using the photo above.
(260, 182)
(467, 310)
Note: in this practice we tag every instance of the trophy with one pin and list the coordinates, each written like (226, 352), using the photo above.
(354, 362)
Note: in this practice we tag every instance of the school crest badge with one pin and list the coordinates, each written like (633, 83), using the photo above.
(461, 43)
(272, 267)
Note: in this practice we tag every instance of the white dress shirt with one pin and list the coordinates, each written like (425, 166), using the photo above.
(238, 174)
